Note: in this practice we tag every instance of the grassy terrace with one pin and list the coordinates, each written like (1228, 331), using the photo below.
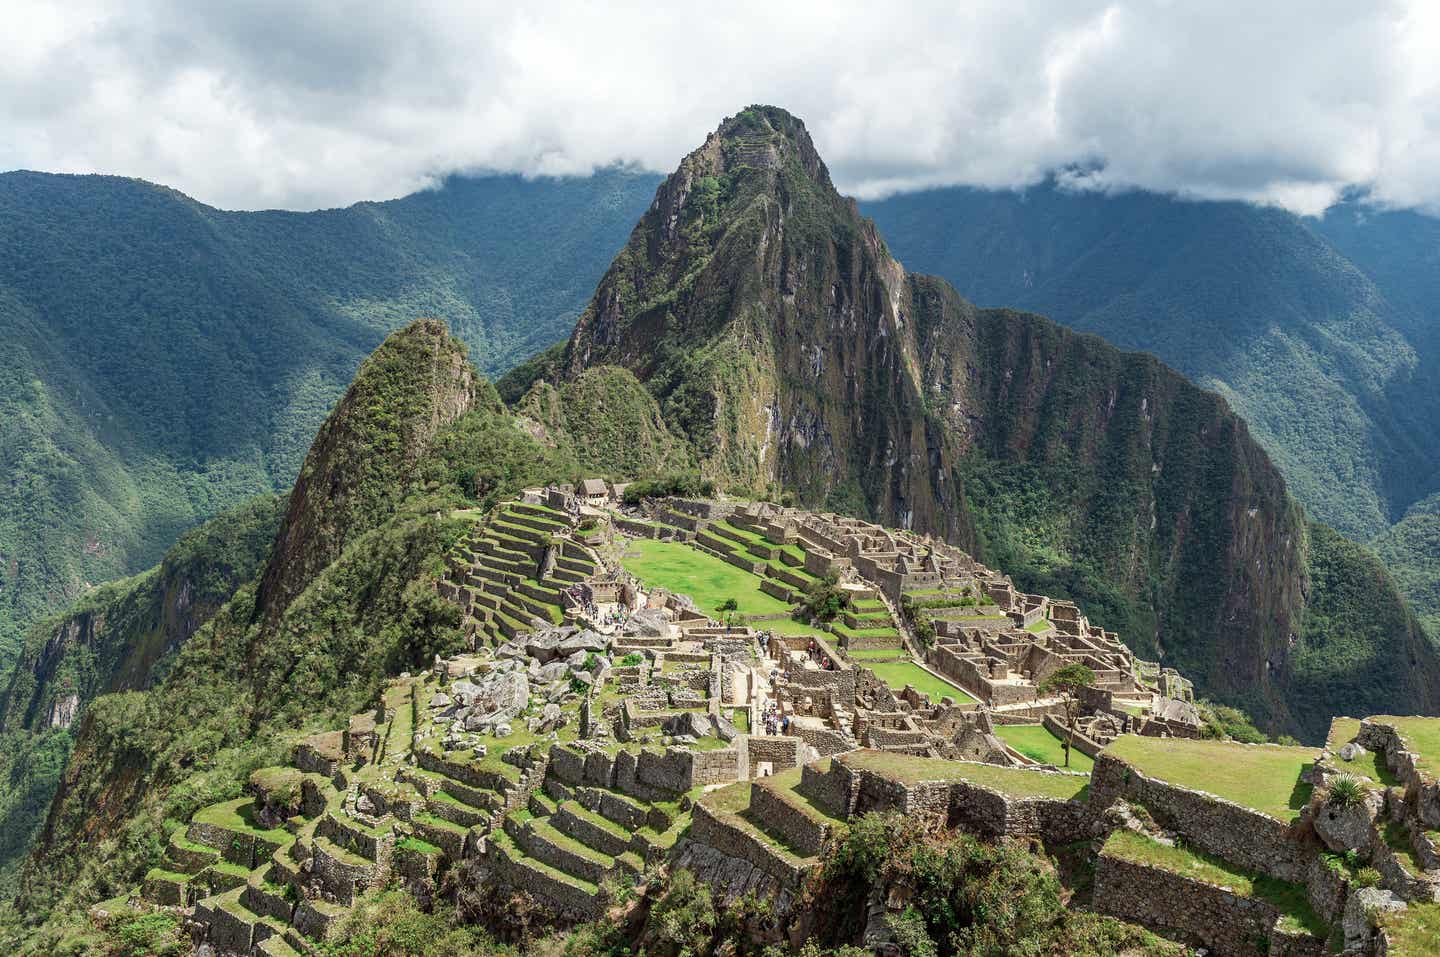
(1422, 735)
(1290, 899)
(1036, 742)
(1414, 932)
(898, 674)
(876, 654)
(239, 815)
(731, 804)
(1015, 782)
(705, 578)
(1262, 777)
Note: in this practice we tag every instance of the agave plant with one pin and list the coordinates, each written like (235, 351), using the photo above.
(1345, 791)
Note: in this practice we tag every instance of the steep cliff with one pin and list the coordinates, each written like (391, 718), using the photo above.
(120, 637)
(776, 331)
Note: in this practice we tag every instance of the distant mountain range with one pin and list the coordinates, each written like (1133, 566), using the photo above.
(1322, 333)
(161, 360)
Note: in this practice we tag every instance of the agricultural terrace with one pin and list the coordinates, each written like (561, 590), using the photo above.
(1290, 899)
(1036, 742)
(1422, 736)
(1015, 782)
(1262, 777)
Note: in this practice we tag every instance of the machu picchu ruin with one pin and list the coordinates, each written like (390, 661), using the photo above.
(648, 688)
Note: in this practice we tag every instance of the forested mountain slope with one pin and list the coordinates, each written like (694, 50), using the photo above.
(359, 551)
(161, 360)
(782, 339)
(1320, 332)
(121, 636)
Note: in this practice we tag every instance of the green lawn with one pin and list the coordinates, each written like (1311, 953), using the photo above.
(1038, 627)
(873, 654)
(1422, 735)
(898, 674)
(706, 579)
(740, 717)
(789, 626)
(1290, 899)
(1035, 741)
(1263, 777)
(1016, 782)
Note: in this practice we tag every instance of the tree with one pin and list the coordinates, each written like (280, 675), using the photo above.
(727, 609)
(1067, 682)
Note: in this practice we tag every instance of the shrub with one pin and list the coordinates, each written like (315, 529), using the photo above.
(665, 486)
(1345, 791)
(631, 660)
(1367, 877)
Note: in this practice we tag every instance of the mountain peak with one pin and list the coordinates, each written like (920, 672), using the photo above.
(758, 138)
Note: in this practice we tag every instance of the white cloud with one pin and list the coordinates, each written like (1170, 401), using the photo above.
(274, 103)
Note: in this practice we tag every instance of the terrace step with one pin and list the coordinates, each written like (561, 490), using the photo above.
(591, 829)
(539, 839)
(540, 877)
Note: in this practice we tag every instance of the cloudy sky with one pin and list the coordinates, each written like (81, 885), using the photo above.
(283, 103)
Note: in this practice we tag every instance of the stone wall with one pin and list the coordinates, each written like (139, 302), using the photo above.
(1085, 745)
(1237, 834)
(711, 829)
(799, 831)
(1201, 913)
(782, 751)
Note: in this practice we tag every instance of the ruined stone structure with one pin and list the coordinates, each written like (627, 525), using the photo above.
(600, 727)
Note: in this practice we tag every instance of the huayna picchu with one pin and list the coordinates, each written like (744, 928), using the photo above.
(794, 604)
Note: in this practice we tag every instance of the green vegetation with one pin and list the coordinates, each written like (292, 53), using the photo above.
(1016, 782)
(607, 422)
(1357, 633)
(1413, 932)
(390, 922)
(705, 578)
(1068, 681)
(898, 674)
(1292, 900)
(1421, 735)
(1264, 778)
(121, 635)
(305, 649)
(966, 896)
(1038, 743)
(162, 361)
(681, 484)
(1324, 355)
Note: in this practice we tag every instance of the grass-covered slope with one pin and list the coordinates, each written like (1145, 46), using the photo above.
(161, 360)
(605, 420)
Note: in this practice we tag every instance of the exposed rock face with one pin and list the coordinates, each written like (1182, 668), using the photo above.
(1347, 828)
(777, 332)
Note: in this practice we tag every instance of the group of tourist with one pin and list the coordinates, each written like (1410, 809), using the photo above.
(823, 660)
(775, 723)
